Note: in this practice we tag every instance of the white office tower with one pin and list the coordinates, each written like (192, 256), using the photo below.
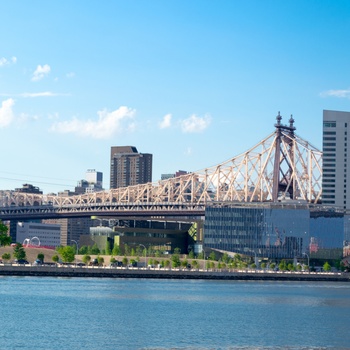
(336, 175)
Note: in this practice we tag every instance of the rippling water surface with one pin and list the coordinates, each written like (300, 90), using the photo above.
(59, 313)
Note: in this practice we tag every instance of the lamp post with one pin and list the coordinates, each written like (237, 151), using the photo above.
(308, 261)
(145, 255)
(77, 250)
(256, 261)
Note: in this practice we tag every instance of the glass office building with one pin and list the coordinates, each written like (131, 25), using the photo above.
(275, 230)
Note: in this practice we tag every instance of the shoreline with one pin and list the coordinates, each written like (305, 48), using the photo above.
(106, 272)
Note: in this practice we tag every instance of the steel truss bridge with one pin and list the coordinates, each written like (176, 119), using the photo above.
(281, 166)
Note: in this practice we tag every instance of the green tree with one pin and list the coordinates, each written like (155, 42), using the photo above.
(125, 261)
(234, 264)
(237, 257)
(41, 257)
(5, 239)
(225, 258)
(282, 265)
(83, 250)
(244, 265)
(100, 260)
(167, 263)
(126, 250)
(55, 258)
(191, 254)
(177, 251)
(108, 248)
(18, 252)
(272, 266)
(175, 260)
(263, 265)
(67, 253)
(290, 267)
(95, 250)
(184, 263)
(327, 267)
(86, 259)
(195, 264)
(116, 250)
(6, 256)
(212, 256)
(201, 255)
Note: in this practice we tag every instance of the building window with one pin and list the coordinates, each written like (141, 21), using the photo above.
(329, 138)
(329, 124)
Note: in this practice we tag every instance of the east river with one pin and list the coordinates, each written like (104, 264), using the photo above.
(92, 313)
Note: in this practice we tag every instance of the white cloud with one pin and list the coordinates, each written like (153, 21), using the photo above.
(24, 118)
(41, 72)
(70, 75)
(195, 124)
(336, 93)
(107, 125)
(4, 61)
(166, 122)
(35, 94)
(6, 113)
(41, 94)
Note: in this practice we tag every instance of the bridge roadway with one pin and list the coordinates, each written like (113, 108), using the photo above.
(115, 211)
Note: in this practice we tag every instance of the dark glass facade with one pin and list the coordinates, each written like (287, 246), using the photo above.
(275, 231)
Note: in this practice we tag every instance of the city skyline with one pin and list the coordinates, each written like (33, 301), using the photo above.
(193, 83)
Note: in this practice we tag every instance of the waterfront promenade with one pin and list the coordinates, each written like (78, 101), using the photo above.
(161, 273)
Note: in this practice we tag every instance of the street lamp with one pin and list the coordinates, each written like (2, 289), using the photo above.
(76, 243)
(256, 260)
(77, 251)
(308, 261)
(145, 255)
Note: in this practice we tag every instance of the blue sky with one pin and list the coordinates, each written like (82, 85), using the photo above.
(194, 82)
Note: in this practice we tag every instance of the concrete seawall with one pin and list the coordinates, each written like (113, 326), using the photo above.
(102, 272)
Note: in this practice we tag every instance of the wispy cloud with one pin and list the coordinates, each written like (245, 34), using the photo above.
(70, 75)
(41, 72)
(195, 124)
(336, 93)
(35, 94)
(166, 122)
(6, 113)
(4, 61)
(107, 124)
(42, 94)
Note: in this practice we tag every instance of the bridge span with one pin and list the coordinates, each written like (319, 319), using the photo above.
(281, 166)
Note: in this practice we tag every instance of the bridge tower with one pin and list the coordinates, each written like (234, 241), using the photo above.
(283, 169)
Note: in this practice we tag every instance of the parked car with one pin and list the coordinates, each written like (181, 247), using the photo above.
(22, 261)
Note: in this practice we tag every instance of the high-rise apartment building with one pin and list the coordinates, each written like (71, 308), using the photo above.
(128, 167)
(336, 174)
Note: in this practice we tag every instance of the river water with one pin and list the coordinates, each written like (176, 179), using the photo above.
(77, 313)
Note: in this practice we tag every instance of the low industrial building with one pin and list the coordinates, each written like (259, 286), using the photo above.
(155, 235)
